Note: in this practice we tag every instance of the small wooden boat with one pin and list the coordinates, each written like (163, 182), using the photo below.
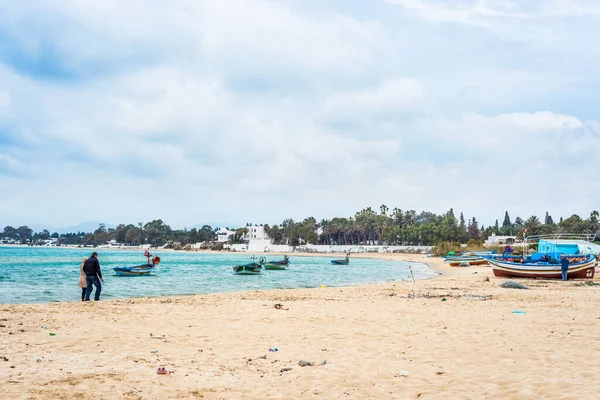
(583, 267)
(284, 262)
(344, 261)
(248, 269)
(466, 261)
(274, 267)
(253, 268)
(139, 270)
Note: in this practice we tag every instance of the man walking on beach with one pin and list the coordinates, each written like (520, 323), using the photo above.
(564, 267)
(93, 276)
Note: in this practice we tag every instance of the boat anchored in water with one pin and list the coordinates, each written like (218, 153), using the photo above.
(253, 268)
(139, 270)
(277, 265)
(344, 261)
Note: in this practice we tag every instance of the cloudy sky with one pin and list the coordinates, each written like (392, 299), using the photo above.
(259, 110)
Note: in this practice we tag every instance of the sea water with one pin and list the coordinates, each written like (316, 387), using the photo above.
(40, 275)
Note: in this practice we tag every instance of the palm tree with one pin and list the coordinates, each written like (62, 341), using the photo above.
(532, 226)
(384, 209)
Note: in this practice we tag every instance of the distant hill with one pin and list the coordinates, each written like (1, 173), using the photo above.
(86, 227)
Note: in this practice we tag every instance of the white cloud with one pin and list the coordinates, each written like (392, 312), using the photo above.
(389, 96)
(262, 110)
(480, 12)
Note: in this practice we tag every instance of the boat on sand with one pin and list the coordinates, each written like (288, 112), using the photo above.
(581, 267)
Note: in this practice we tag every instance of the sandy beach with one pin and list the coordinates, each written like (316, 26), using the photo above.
(451, 337)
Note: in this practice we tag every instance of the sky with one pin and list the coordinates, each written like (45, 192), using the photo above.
(259, 110)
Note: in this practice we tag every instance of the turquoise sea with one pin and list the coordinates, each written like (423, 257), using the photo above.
(41, 275)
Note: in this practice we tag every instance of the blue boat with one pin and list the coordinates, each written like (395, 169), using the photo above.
(139, 270)
(545, 263)
(344, 261)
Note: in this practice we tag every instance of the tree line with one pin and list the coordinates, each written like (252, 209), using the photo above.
(155, 233)
(366, 227)
(398, 227)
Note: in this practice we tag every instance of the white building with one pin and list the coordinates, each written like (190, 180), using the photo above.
(494, 240)
(256, 238)
(223, 234)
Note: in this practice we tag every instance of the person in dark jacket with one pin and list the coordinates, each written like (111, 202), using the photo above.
(93, 276)
(564, 267)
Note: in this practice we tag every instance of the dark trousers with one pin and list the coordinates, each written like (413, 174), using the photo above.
(564, 272)
(83, 290)
(93, 280)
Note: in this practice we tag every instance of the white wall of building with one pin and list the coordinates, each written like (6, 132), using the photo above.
(224, 234)
(266, 247)
(256, 232)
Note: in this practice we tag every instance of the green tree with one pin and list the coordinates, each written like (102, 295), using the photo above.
(594, 220)
(506, 223)
(474, 231)
(10, 232)
(157, 232)
(24, 233)
(518, 221)
(532, 226)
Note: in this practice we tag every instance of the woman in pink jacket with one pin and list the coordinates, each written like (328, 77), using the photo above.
(82, 282)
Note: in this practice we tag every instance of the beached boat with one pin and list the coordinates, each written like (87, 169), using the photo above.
(139, 270)
(580, 267)
(253, 268)
(344, 261)
(545, 263)
(465, 261)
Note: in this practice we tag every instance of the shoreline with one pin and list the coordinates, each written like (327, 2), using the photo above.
(421, 260)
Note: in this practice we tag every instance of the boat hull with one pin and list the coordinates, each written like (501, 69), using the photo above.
(469, 261)
(248, 269)
(507, 269)
(340, 262)
(275, 267)
(282, 262)
(132, 271)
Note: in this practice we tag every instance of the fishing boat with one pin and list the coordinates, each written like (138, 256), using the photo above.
(284, 262)
(545, 263)
(466, 261)
(580, 267)
(344, 261)
(253, 268)
(139, 270)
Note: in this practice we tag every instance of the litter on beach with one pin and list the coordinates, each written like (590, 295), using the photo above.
(518, 312)
(163, 371)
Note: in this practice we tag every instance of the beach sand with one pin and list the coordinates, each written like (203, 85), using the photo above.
(450, 337)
